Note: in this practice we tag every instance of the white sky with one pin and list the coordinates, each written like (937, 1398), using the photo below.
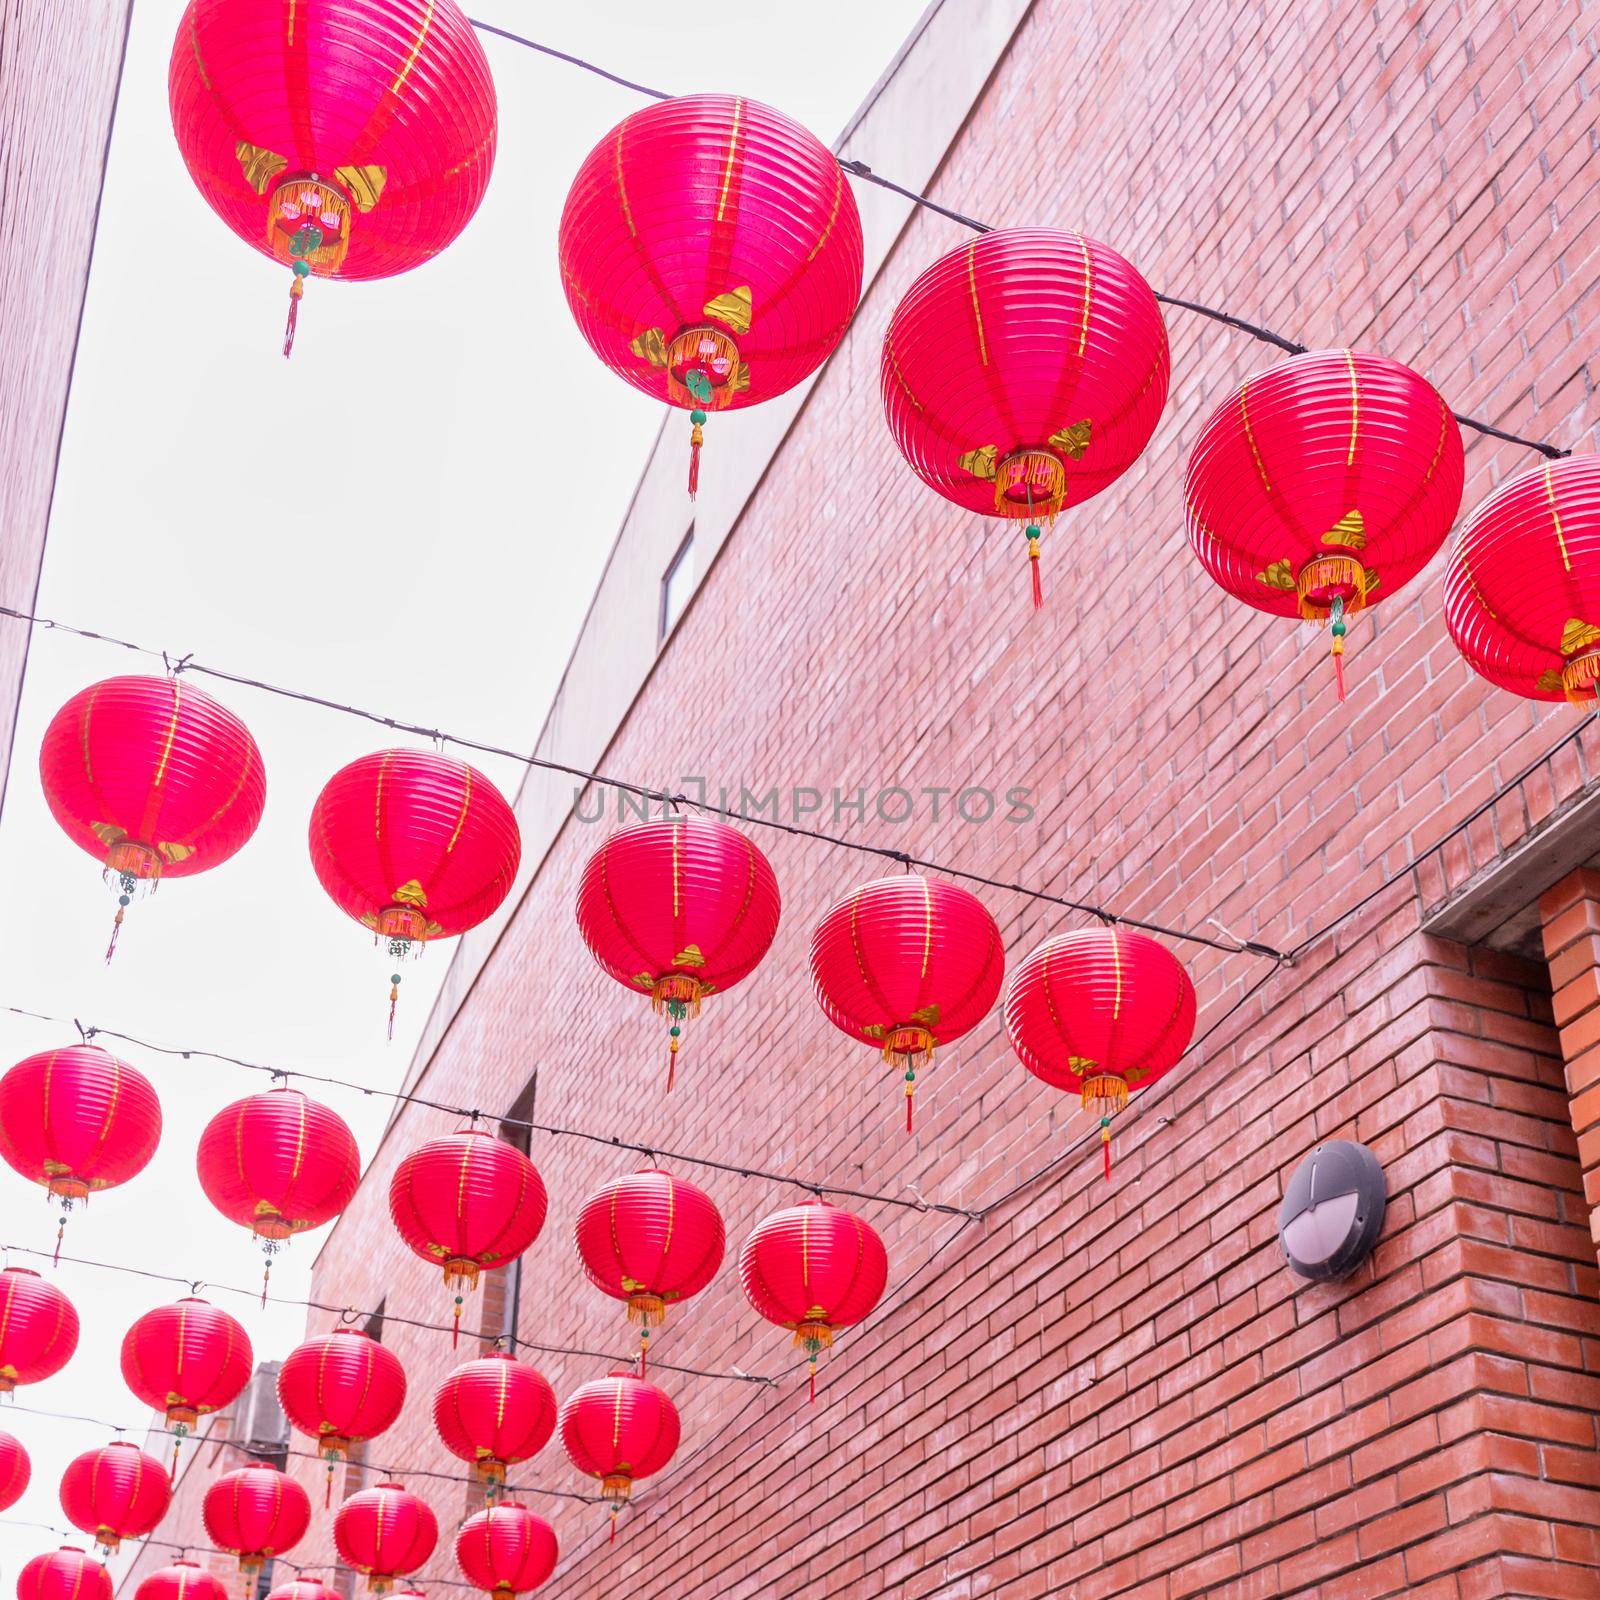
(410, 515)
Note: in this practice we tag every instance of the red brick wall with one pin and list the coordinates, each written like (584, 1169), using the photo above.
(59, 63)
(1118, 1390)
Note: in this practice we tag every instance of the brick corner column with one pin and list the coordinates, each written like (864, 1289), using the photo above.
(1570, 914)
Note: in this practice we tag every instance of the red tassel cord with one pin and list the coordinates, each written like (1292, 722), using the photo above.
(302, 244)
(911, 1084)
(644, 1350)
(116, 926)
(266, 1278)
(700, 387)
(394, 1000)
(613, 1538)
(1105, 1144)
(1033, 562)
(672, 1056)
(172, 1466)
(1337, 628)
(811, 1392)
(327, 1486)
(455, 1331)
(61, 1228)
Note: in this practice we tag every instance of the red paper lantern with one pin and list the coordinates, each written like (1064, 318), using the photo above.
(415, 846)
(182, 1580)
(306, 1589)
(906, 964)
(340, 1388)
(255, 1513)
(278, 1163)
(1320, 479)
(64, 1574)
(116, 1492)
(494, 1412)
(469, 1202)
(385, 1532)
(15, 1471)
(506, 1550)
(711, 252)
(1522, 591)
(678, 909)
(38, 1328)
(1025, 372)
(77, 1120)
(619, 1429)
(344, 138)
(187, 1360)
(1103, 1012)
(650, 1239)
(813, 1268)
(153, 778)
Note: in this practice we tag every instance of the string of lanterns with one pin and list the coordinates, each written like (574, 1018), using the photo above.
(712, 255)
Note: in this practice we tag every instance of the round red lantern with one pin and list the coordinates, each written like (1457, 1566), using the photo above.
(116, 1492)
(1103, 1012)
(182, 1580)
(255, 1513)
(1025, 372)
(506, 1550)
(77, 1120)
(278, 1163)
(187, 1360)
(619, 1429)
(711, 252)
(1522, 591)
(907, 964)
(469, 1202)
(678, 909)
(814, 1268)
(415, 846)
(153, 778)
(650, 1239)
(64, 1574)
(15, 1471)
(1320, 479)
(343, 138)
(385, 1532)
(38, 1328)
(304, 1589)
(494, 1412)
(339, 1388)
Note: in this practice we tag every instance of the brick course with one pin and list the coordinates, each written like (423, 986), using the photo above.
(1119, 1391)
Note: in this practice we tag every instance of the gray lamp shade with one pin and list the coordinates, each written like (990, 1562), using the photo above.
(1332, 1210)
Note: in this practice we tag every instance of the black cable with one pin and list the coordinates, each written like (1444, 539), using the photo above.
(575, 61)
(860, 169)
(350, 1315)
(471, 1114)
(268, 1453)
(662, 797)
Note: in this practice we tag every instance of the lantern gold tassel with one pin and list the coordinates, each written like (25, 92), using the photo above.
(116, 928)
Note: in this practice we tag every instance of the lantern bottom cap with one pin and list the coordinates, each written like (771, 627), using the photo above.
(616, 1485)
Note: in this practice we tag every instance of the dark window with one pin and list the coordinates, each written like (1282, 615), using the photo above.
(677, 584)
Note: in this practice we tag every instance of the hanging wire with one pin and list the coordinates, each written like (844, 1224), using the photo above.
(860, 169)
(350, 1315)
(550, 1129)
(665, 798)
(267, 1453)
